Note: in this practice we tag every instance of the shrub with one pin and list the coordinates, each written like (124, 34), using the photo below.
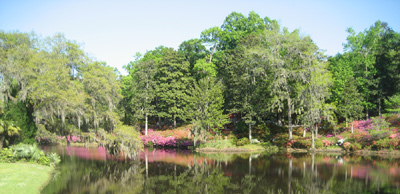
(53, 159)
(387, 144)
(351, 146)
(232, 139)
(6, 155)
(30, 153)
(217, 144)
(379, 123)
(243, 141)
(281, 140)
(327, 143)
(304, 143)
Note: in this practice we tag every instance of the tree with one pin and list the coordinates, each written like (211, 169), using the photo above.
(245, 78)
(315, 95)
(104, 93)
(206, 106)
(345, 95)
(172, 79)
(287, 57)
(362, 48)
(144, 89)
(192, 50)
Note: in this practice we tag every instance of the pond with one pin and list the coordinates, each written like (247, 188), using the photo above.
(92, 170)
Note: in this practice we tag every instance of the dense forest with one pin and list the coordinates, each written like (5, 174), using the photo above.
(249, 70)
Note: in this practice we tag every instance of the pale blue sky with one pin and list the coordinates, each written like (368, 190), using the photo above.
(113, 31)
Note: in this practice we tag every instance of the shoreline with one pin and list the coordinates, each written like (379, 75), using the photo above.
(381, 153)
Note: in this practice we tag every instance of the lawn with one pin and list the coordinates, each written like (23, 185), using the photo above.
(23, 177)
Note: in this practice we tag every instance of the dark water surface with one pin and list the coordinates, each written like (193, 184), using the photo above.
(91, 170)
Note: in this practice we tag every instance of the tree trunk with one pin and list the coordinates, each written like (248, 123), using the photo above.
(347, 123)
(304, 131)
(352, 128)
(379, 102)
(1, 141)
(250, 132)
(174, 121)
(316, 131)
(290, 119)
(145, 124)
(312, 138)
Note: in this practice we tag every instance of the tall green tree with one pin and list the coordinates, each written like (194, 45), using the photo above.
(287, 56)
(206, 102)
(144, 89)
(172, 79)
(103, 91)
(345, 95)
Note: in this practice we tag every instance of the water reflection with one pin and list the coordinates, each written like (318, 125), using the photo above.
(174, 171)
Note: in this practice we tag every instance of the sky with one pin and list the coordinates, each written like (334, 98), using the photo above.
(113, 31)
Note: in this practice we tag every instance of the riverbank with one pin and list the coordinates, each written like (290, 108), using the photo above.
(23, 177)
(259, 148)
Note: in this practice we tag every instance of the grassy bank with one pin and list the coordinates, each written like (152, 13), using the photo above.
(23, 177)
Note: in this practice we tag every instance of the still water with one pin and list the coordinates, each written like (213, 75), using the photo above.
(92, 170)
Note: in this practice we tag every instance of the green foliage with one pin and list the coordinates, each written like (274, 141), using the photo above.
(125, 139)
(52, 159)
(6, 155)
(203, 69)
(220, 144)
(243, 141)
(52, 81)
(233, 139)
(393, 103)
(206, 106)
(45, 137)
(352, 146)
(380, 123)
(29, 152)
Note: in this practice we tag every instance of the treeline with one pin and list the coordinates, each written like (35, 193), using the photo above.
(250, 68)
(52, 82)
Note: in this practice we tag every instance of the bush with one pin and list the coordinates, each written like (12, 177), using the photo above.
(379, 123)
(6, 155)
(29, 153)
(243, 141)
(351, 146)
(217, 144)
(304, 143)
(53, 159)
(232, 139)
(281, 140)
(386, 144)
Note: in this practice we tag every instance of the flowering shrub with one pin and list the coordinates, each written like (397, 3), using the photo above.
(363, 125)
(327, 142)
(157, 138)
(387, 144)
(71, 138)
(351, 146)
(329, 135)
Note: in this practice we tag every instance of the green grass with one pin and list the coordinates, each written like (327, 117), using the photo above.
(23, 177)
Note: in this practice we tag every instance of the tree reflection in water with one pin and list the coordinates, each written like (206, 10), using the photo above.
(172, 171)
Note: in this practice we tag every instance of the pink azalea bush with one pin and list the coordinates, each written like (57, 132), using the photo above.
(159, 140)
